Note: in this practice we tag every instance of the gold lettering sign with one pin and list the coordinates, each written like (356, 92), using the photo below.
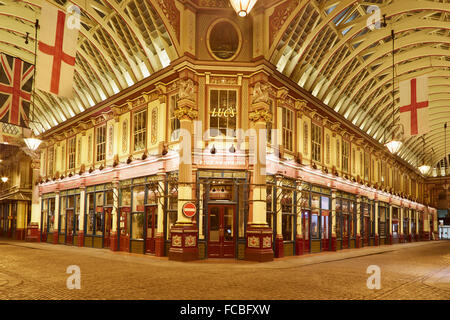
(223, 112)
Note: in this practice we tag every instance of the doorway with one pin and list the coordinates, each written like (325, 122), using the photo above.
(124, 229)
(70, 223)
(152, 226)
(221, 235)
(108, 227)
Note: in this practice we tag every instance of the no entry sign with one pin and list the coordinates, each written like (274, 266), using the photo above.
(189, 209)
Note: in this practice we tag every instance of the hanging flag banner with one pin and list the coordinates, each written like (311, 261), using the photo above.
(414, 106)
(16, 81)
(56, 52)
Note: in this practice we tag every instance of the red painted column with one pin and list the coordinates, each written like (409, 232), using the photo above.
(299, 245)
(279, 249)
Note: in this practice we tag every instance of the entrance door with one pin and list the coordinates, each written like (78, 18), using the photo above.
(108, 227)
(395, 231)
(124, 230)
(366, 230)
(325, 228)
(221, 238)
(69, 226)
(306, 227)
(152, 225)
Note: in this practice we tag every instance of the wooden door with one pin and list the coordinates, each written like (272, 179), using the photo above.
(221, 235)
(108, 227)
(306, 230)
(152, 226)
(124, 229)
(69, 226)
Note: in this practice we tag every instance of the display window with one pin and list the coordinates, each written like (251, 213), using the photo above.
(98, 215)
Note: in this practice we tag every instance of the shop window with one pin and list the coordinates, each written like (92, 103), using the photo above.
(222, 119)
(62, 215)
(382, 221)
(125, 199)
(316, 142)
(71, 150)
(137, 226)
(287, 215)
(172, 205)
(288, 129)
(51, 215)
(138, 198)
(77, 214)
(90, 214)
(345, 155)
(338, 219)
(100, 135)
(140, 130)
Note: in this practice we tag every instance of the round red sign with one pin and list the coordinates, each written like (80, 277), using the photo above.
(189, 209)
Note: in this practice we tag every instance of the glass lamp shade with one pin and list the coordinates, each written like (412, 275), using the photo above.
(5, 179)
(243, 7)
(32, 143)
(394, 146)
(424, 169)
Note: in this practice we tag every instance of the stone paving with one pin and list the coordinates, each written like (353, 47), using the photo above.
(408, 271)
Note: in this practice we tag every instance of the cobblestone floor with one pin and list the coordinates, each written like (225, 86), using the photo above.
(408, 271)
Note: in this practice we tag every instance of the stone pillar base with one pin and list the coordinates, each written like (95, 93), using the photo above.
(183, 246)
(113, 241)
(55, 237)
(389, 239)
(333, 244)
(400, 238)
(299, 246)
(259, 244)
(409, 238)
(376, 240)
(159, 246)
(358, 241)
(33, 233)
(80, 238)
(279, 248)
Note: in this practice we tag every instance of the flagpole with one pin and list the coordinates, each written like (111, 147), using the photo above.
(36, 26)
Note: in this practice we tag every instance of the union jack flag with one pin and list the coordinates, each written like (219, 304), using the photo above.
(16, 79)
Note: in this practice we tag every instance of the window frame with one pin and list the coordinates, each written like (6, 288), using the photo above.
(288, 132)
(142, 131)
(97, 144)
(209, 112)
(316, 146)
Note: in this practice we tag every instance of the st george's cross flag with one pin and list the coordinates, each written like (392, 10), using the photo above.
(56, 53)
(16, 81)
(414, 106)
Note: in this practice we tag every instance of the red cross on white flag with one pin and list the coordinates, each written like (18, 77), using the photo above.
(414, 106)
(56, 55)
